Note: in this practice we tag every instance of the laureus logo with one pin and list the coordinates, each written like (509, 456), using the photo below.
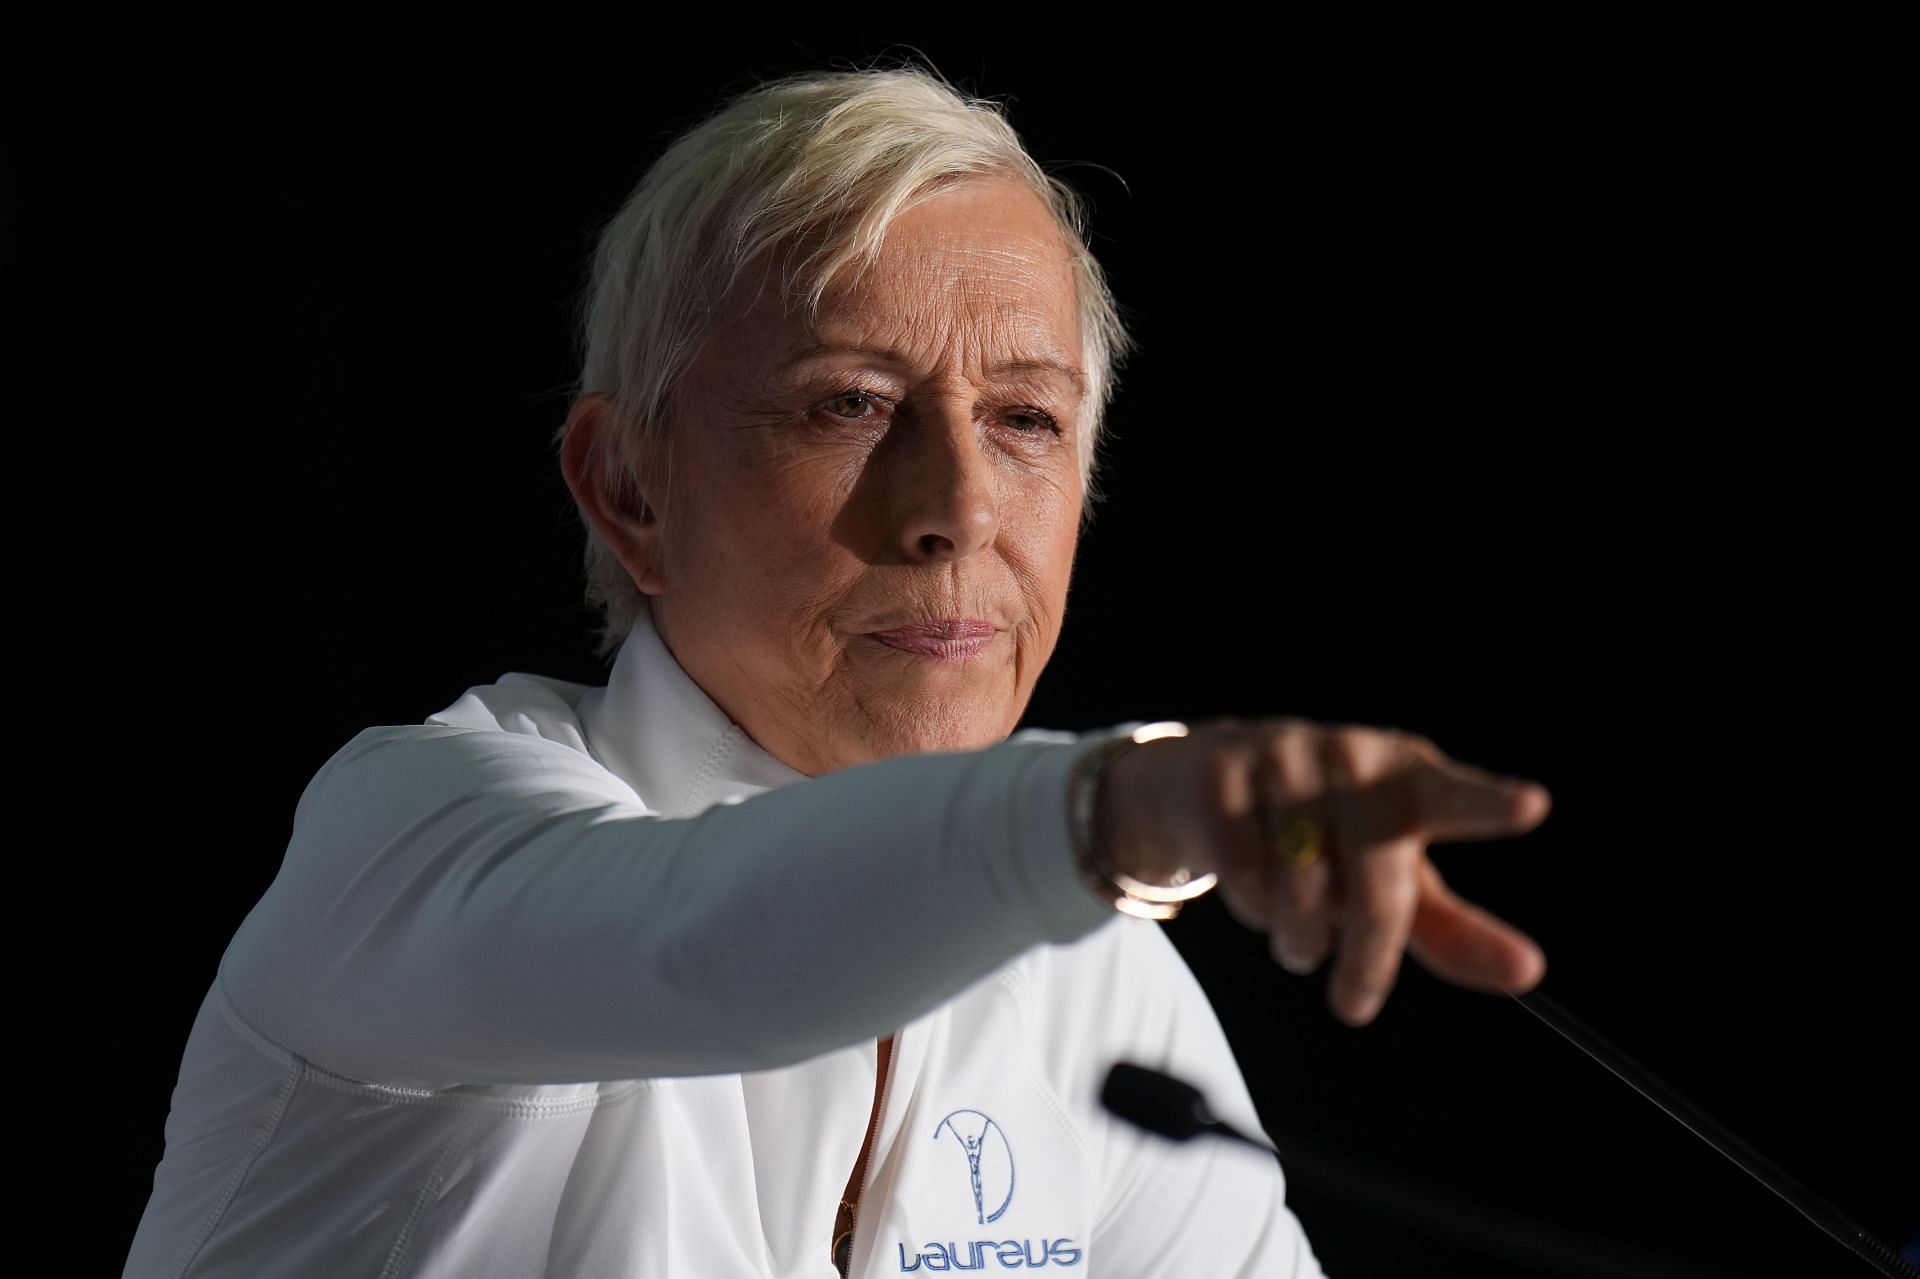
(989, 1160)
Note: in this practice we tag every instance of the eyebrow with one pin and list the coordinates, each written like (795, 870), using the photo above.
(816, 348)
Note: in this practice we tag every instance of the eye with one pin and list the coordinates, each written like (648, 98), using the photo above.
(1032, 421)
(855, 404)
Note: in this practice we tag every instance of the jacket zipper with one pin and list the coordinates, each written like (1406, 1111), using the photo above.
(866, 1160)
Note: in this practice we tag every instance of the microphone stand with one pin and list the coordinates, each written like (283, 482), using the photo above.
(1176, 1110)
(1716, 1134)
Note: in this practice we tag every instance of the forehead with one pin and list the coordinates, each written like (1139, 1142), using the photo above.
(983, 264)
(989, 245)
(989, 224)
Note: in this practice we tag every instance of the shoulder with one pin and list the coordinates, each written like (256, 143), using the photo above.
(526, 705)
(398, 757)
(518, 738)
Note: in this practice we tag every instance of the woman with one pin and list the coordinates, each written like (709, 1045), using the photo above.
(777, 955)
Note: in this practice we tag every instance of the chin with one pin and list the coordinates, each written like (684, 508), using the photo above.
(934, 726)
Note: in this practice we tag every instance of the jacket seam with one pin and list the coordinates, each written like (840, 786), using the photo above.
(403, 1242)
(395, 1094)
(231, 1190)
(697, 784)
(1014, 982)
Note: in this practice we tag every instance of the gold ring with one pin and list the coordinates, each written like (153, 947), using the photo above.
(1300, 842)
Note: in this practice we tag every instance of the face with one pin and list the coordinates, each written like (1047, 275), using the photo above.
(865, 544)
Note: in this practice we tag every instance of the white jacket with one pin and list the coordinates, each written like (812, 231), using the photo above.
(575, 981)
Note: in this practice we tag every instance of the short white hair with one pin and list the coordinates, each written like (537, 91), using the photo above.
(824, 159)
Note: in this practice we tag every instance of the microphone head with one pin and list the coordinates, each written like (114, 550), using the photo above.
(1156, 1102)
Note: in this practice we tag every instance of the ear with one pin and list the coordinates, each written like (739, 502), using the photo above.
(628, 525)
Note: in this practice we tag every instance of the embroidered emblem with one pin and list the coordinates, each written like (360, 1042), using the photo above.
(989, 1161)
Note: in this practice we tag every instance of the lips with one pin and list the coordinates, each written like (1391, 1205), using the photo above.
(955, 640)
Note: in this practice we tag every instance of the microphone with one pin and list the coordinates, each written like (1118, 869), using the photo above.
(1170, 1107)
(1175, 1109)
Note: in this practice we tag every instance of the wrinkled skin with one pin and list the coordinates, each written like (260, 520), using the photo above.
(807, 501)
(812, 503)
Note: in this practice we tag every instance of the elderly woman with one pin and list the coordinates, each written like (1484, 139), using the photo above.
(783, 954)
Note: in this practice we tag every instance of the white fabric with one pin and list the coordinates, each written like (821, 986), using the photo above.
(575, 981)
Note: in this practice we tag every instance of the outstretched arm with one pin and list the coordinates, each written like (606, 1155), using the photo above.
(486, 907)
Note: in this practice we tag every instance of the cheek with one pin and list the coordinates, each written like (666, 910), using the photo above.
(798, 485)
(754, 514)
(1048, 537)
(773, 557)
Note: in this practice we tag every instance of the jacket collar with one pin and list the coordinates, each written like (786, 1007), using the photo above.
(657, 730)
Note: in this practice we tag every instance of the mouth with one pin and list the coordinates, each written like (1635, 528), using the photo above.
(955, 641)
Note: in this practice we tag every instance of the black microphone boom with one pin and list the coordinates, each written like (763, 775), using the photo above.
(1162, 1104)
(1176, 1110)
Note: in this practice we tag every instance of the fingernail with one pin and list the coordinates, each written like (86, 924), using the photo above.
(1532, 792)
(1365, 1007)
(1294, 964)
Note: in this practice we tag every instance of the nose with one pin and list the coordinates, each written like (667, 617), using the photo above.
(945, 499)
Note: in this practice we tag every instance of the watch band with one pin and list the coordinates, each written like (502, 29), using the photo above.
(1126, 894)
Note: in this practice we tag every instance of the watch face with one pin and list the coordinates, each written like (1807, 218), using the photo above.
(1123, 892)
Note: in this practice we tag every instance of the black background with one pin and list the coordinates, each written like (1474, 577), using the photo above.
(1522, 389)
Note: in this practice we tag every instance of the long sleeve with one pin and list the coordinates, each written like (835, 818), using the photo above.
(487, 907)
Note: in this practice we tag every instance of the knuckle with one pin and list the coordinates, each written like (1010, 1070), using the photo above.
(1299, 896)
(1310, 888)
(1388, 896)
(1223, 772)
(1276, 762)
(1346, 751)
(1292, 729)
(1421, 746)
(1284, 723)
(1218, 765)
(1399, 805)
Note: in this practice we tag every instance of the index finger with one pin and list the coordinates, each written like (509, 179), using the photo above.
(1444, 799)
